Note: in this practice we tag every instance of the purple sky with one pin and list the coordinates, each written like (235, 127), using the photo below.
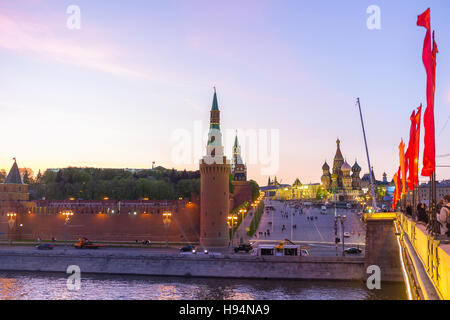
(113, 93)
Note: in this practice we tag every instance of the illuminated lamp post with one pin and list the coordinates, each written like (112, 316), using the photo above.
(342, 218)
(336, 239)
(231, 222)
(243, 211)
(166, 220)
(12, 220)
(67, 214)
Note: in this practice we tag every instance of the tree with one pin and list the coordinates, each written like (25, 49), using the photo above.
(27, 175)
(255, 189)
(321, 193)
(118, 184)
(2, 176)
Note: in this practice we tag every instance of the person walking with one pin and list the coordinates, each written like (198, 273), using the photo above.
(409, 209)
(422, 213)
(444, 216)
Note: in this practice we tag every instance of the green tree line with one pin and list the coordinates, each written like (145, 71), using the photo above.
(118, 184)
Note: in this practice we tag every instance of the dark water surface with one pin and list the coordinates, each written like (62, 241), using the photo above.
(53, 286)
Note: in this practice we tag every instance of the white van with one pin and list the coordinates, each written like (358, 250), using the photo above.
(323, 210)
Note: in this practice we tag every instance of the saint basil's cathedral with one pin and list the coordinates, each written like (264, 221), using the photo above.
(344, 182)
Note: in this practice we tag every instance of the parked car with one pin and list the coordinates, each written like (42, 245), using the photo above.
(353, 251)
(243, 247)
(347, 234)
(44, 246)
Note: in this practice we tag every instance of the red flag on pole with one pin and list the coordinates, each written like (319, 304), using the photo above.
(397, 192)
(429, 61)
(415, 166)
(410, 151)
(412, 154)
(401, 153)
(394, 199)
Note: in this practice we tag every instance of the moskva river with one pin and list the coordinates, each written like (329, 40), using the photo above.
(53, 286)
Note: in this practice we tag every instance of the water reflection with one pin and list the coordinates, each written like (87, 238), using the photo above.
(52, 286)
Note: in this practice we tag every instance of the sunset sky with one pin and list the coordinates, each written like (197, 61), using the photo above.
(114, 93)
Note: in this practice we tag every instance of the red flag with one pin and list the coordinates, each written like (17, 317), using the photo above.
(415, 166)
(429, 161)
(397, 192)
(412, 154)
(410, 151)
(401, 153)
(394, 198)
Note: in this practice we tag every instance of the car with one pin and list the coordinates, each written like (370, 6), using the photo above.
(86, 244)
(44, 246)
(188, 250)
(304, 252)
(347, 234)
(243, 247)
(353, 251)
(204, 251)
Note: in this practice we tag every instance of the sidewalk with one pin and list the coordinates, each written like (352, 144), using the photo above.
(241, 232)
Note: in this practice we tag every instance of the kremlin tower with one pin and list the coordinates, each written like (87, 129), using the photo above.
(238, 168)
(214, 193)
(242, 191)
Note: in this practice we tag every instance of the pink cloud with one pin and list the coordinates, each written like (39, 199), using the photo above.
(25, 36)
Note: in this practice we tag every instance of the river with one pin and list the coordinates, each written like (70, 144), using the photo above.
(52, 286)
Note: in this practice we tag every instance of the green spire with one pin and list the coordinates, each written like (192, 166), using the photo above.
(214, 122)
(215, 105)
(236, 143)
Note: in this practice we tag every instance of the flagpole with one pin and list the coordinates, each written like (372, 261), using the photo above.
(374, 200)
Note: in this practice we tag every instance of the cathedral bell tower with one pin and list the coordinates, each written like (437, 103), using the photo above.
(214, 193)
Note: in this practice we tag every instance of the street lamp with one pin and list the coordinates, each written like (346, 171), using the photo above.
(12, 220)
(343, 218)
(231, 222)
(336, 239)
(243, 211)
(166, 220)
(67, 214)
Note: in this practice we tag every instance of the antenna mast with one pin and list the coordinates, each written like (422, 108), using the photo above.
(374, 200)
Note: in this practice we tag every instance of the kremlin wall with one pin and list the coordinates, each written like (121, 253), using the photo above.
(203, 220)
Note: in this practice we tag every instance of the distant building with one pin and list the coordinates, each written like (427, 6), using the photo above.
(423, 193)
(238, 168)
(13, 189)
(343, 183)
(215, 170)
(14, 196)
(296, 191)
(242, 191)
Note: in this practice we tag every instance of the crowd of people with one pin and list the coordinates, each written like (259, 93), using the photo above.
(443, 216)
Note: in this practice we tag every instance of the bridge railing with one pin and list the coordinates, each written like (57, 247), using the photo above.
(434, 254)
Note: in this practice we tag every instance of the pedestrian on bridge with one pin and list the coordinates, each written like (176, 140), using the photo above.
(444, 216)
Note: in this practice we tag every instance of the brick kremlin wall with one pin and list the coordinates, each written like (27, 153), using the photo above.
(242, 192)
(126, 226)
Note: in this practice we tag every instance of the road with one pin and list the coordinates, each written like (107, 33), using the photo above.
(313, 229)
